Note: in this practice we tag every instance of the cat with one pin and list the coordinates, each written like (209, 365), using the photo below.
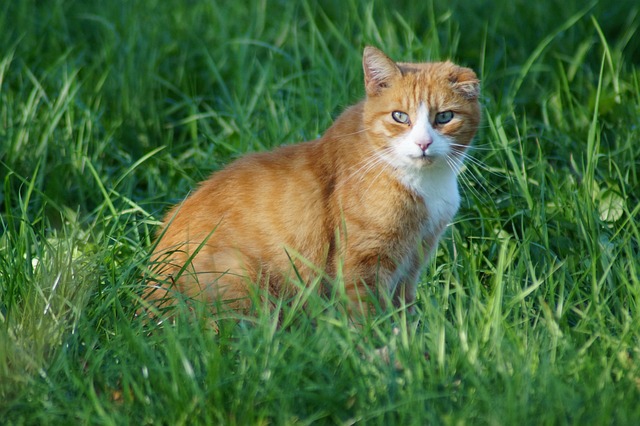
(362, 207)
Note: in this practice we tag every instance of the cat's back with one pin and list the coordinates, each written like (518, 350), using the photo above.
(264, 191)
(262, 176)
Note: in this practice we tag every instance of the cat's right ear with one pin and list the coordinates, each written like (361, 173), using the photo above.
(379, 70)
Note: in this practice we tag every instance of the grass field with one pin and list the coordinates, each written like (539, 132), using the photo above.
(112, 111)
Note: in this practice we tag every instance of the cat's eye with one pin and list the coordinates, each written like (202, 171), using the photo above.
(400, 117)
(444, 117)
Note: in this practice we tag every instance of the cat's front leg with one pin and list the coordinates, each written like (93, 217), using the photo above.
(404, 292)
(404, 295)
(369, 286)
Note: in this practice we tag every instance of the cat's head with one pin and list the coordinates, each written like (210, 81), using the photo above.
(419, 114)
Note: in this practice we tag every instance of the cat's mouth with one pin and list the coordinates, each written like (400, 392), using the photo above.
(425, 159)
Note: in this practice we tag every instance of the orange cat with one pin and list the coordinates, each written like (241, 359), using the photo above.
(366, 203)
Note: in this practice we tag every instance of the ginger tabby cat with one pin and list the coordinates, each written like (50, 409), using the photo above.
(366, 203)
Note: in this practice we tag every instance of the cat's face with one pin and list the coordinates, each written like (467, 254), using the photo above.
(419, 115)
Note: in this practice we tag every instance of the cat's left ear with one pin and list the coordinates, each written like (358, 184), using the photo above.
(465, 82)
(379, 70)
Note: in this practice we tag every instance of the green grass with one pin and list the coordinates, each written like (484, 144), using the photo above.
(111, 111)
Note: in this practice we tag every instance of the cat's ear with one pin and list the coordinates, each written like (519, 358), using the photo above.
(465, 82)
(379, 70)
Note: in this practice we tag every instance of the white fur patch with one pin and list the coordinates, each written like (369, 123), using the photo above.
(438, 188)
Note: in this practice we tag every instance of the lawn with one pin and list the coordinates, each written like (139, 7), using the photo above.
(112, 111)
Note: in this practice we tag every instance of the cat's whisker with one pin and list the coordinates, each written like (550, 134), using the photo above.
(373, 180)
(456, 163)
(465, 176)
(376, 177)
(473, 160)
(478, 168)
(370, 163)
(478, 163)
(346, 135)
(474, 147)
(469, 187)
(381, 160)
(367, 165)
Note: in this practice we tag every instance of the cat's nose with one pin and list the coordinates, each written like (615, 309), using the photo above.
(424, 144)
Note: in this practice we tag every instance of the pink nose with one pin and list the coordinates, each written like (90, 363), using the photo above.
(424, 144)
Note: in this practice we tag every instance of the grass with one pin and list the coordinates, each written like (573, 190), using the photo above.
(112, 111)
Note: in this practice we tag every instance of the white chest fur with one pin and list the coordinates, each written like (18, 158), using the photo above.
(438, 188)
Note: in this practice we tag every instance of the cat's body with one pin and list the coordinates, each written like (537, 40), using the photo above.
(367, 202)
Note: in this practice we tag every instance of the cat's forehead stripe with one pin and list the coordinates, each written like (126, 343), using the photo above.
(429, 83)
